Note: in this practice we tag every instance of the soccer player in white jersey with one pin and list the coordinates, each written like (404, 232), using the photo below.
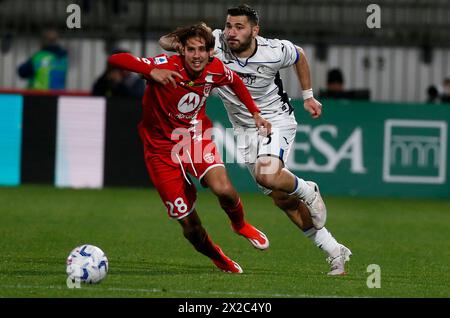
(257, 61)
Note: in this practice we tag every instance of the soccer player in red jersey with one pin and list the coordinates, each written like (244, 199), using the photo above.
(175, 133)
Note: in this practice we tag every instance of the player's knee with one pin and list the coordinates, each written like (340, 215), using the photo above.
(266, 180)
(223, 189)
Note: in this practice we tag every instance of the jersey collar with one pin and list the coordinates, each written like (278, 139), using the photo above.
(246, 60)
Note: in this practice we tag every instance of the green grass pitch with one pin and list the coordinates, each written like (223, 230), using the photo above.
(148, 256)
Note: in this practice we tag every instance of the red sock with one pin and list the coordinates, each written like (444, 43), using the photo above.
(235, 214)
(209, 249)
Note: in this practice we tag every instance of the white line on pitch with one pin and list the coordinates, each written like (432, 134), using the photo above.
(168, 292)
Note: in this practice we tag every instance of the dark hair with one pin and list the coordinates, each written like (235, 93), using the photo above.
(335, 76)
(246, 10)
(201, 30)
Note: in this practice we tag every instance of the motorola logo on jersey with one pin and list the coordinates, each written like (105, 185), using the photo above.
(188, 102)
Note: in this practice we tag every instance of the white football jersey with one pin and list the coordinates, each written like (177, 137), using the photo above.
(260, 73)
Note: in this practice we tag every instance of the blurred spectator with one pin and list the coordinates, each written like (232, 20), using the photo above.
(47, 68)
(335, 81)
(447, 86)
(335, 88)
(432, 95)
(115, 82)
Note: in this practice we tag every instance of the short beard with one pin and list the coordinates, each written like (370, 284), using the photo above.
(244, 46)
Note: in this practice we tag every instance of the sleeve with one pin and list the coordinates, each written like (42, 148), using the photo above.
(288, 52)
(135, 64)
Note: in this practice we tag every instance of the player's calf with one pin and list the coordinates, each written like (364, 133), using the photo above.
(316, 207)
(308, 192)
(294, 208)
(196, 234)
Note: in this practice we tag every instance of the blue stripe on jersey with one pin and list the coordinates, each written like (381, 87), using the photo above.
(298, 56)
(281, 156)
(296, 184)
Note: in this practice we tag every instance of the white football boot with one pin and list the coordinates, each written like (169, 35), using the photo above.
(316, 207)
(338, 263)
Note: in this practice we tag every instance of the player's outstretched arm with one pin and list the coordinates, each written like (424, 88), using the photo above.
(311, 105)
(144, 66)
(131, 63)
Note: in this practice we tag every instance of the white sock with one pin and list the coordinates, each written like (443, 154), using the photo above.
(302, 190)
(324, 240)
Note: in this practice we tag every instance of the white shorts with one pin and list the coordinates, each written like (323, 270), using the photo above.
(251, 145)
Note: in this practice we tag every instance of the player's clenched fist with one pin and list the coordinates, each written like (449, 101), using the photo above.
(313, 106)
(264, 127)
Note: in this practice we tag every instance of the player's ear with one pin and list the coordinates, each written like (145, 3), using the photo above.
(255, 30)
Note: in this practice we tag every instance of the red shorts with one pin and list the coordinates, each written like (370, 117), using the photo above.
(170, 174)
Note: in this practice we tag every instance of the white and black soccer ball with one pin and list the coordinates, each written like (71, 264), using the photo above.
(87, 264)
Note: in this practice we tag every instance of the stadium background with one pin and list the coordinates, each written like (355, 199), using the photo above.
(393, 145)
(395, 63)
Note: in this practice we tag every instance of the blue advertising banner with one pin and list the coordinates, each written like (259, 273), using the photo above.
(10, 138)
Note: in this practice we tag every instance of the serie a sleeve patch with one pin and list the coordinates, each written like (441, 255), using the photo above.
(160, 60)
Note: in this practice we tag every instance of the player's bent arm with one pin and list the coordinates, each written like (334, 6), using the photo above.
(169, 43)
(310, 104)
(302, 69)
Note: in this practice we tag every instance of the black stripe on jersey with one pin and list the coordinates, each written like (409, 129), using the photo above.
(282, 93)
(272, 47)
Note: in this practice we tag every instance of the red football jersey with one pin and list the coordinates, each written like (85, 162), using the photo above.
(166, 108)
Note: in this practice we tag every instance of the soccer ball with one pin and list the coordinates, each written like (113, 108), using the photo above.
(87, 264)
